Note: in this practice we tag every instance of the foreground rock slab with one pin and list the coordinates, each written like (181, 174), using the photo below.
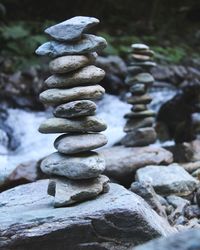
(122, 162)
(166, 180)
(30, 221)
(186, 240)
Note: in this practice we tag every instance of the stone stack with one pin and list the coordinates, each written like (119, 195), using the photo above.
(75, 170)
(139, 125)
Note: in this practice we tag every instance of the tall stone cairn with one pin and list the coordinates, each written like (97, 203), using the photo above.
(139, 126)
(74, 170)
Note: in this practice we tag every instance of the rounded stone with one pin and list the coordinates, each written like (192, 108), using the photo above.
(143, 99)
(137, 123)
(140, 137)
(141, 57)
(138, 89)
(60, 96)
(80, 166)
(89, 74)
(139, 46)
(145, 64)
(142, 114)
(83, 124)
(70, 144)
(69, 63)
(75, 109)
(138, 108)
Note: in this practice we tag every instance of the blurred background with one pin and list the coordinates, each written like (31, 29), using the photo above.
(170, 28)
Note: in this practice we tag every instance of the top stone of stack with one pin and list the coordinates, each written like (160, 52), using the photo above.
(68, 38)
(71, 29)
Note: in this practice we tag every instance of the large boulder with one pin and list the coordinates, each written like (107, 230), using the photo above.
(116, 220)
(122, 162)
(186, 240)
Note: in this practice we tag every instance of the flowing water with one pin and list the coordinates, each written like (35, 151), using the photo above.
(34, 145)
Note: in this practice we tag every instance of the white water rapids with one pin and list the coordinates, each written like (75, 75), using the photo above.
(35, 146)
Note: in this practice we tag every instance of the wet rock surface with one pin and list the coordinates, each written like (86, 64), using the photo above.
(122, 162)
(186, 240)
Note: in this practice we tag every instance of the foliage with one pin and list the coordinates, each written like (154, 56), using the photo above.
(18, 42)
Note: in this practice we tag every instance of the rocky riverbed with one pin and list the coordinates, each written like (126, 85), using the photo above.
(154, 190)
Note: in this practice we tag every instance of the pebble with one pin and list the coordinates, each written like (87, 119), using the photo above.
(149, 53)
(139, 108)
(67, 192)
(142, 114)
(60, 96)
(139, 137)
(145, 78)
(138, 89)
(139, 46)
(89, 74)
(141, 57)
(134, 70)
(65, 64)
(75, 109)
(71, 144)
(133, 124)
(143, 99)
(88, 43)
(72, 28)
(83, 124)
(81, 166)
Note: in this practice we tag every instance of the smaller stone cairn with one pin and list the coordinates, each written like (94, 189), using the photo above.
(139, 126)
(75, 170)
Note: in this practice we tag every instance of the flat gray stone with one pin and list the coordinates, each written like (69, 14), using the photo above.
(115, 220)
(65, 64)
(122, 162)
(82, 124)
(186, 240)
(87, 44)
(133, 124)
(167, 180)
(89, 74)
(75, 109)
(60, 96)
(142, 99)
(70, 144)
(142, 114)
(72, 28)
(75, 167)
(139, 137)
(147, 64)
(67, 192)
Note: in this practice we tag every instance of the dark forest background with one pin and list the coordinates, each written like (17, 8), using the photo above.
(171, 27)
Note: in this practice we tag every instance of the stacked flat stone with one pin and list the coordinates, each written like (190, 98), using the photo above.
(139, 126)
(75, 169)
